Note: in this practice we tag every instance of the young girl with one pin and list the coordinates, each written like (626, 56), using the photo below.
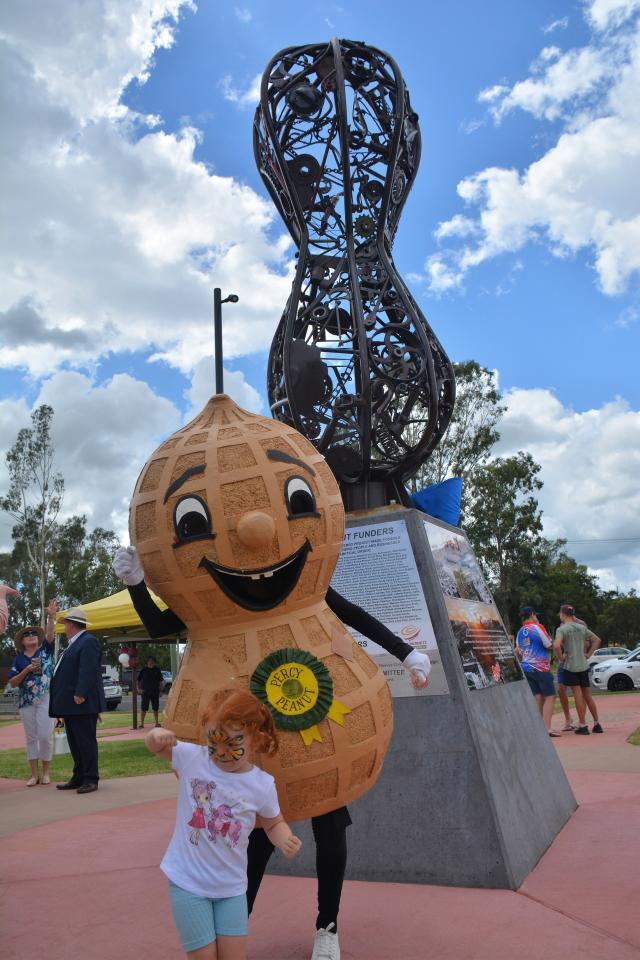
(220, 794)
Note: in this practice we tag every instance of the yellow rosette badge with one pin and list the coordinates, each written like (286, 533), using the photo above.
(292, 689)
(297, 688)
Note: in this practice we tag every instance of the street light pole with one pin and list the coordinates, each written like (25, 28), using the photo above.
(217, 333)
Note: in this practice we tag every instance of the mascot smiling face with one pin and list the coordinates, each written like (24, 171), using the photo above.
(234, 516)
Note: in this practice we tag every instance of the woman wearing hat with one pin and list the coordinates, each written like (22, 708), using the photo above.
(31, 672)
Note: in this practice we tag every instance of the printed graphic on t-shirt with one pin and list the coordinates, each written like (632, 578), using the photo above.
(535, 655)
(216, 819)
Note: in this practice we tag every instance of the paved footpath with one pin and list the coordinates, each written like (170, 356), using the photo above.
(87, 868)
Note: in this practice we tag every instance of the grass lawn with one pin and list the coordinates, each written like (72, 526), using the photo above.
(124, 759)
(112, 720)
(117, 718)
(634, 739)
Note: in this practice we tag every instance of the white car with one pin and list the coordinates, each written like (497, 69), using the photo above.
(621, 674)
(112, 692)
(607, 653)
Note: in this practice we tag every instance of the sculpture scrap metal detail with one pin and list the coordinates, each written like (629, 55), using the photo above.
(354, 365)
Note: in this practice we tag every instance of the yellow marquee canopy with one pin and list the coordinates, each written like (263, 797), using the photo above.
(113, 615)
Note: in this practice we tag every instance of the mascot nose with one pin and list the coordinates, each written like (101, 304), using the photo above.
(256, 529)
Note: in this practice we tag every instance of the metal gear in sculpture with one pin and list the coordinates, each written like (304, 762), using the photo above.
(354, 365)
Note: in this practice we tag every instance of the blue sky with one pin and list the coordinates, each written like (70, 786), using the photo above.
(551, 312)
(132, 190)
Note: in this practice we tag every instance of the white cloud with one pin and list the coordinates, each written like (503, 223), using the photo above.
(628, 317)
(441, 276)
(87, 51)
(117, 233)
(243, 14)
(604, 14)
(558, 81)
(203, 386)
(244, 99)
(457, 226)
(590, 467)
(117, 236)
(470, 126)
(103, 435)
(492, 93)
(560, 24)
(582, 193)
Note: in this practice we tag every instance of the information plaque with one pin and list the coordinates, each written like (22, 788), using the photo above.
(377, 570)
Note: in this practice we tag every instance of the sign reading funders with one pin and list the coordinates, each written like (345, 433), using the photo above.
(377, 570)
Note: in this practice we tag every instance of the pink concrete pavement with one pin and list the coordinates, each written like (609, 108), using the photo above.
(616, 713)
(94, 884)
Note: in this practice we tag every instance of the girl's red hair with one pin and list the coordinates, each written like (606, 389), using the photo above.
(241, 707)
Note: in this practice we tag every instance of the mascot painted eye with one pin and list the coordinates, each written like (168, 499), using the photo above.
(299, 498)
(191, 520)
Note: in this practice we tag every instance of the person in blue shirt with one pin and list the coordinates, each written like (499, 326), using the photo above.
(533, 647)
(31, 672)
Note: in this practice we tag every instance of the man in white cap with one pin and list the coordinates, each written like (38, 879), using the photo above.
(77, 695)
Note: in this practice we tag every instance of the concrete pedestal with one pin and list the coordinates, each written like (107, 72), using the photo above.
(472, 792)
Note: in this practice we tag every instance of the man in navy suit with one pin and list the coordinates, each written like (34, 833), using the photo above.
(77, 695)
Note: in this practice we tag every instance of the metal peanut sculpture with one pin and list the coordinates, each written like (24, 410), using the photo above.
(354, 364)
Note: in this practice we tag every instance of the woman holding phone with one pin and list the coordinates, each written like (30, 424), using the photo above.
(31, 672)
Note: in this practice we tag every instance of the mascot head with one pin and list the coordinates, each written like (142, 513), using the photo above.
(236, 515)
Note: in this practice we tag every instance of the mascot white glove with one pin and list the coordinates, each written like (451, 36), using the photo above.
(127, 566)
(419, 665)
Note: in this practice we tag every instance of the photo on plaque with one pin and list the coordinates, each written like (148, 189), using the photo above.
(487, 654)
(483, 644)
(458, 570)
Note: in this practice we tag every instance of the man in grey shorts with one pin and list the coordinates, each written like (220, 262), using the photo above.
(574, 644)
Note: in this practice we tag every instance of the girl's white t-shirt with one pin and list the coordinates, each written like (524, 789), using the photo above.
(216, 813)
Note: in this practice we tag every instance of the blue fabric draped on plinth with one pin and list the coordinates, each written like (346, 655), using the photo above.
(442, 500)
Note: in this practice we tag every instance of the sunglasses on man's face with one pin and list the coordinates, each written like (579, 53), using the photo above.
(32, 633)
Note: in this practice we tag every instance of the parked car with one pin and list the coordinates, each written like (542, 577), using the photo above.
(607, 653)
(168, 680)
(623, 674)
(112, 693)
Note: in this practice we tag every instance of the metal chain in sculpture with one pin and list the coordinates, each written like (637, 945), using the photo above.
(354, 365)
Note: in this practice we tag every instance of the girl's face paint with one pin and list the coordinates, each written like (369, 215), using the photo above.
(229, 747)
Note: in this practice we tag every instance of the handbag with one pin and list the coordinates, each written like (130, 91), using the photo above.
(60, 742)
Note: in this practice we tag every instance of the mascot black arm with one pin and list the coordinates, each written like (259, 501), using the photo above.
(368, 626)
(157, 622)
(163, 623)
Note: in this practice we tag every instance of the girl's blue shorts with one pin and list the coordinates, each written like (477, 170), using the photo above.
(200, 920)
